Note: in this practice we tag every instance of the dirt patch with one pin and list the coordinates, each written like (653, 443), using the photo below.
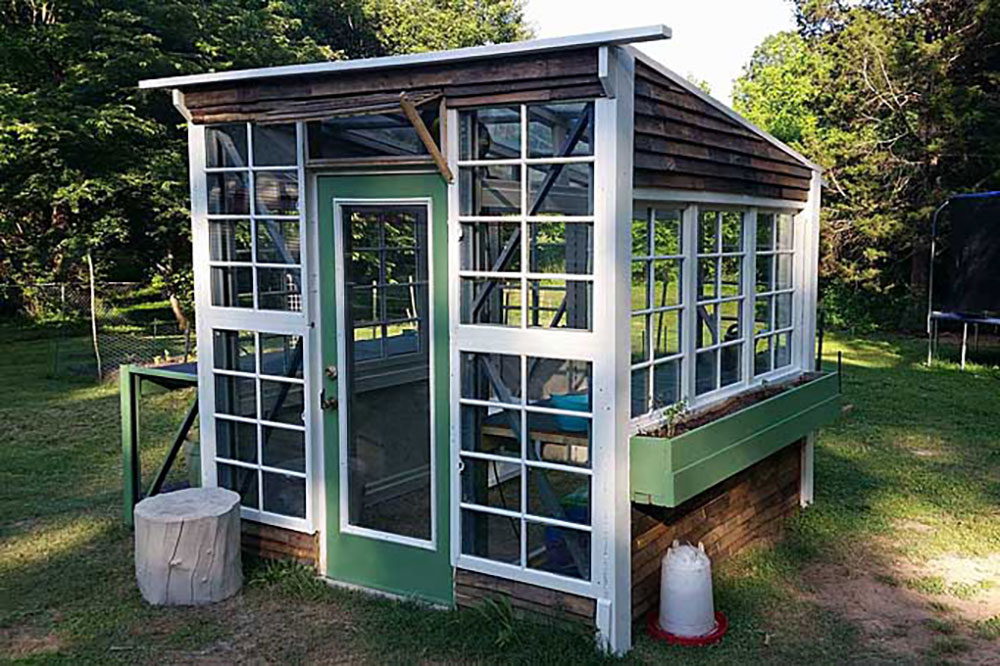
(21, 642)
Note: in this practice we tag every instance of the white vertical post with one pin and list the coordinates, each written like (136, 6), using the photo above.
(612, 245)
(806, 470)
(809, 249)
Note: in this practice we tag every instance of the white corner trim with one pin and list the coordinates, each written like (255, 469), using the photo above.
(806, 479)
(604, 73)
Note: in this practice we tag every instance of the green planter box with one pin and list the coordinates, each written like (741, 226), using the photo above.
(668, 471)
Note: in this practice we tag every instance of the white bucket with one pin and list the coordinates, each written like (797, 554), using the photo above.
(686, 606)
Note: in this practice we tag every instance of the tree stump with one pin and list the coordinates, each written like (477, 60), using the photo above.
(187, 547)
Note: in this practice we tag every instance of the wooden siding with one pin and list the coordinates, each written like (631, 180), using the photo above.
(533, 78)
(473, 588)
(275, 543)
(684, 143)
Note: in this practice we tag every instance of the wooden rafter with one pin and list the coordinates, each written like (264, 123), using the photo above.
(410, 111)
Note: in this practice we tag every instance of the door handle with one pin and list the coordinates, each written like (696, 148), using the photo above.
(327, 403)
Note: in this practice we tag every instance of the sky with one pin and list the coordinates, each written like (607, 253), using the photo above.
(712, 39)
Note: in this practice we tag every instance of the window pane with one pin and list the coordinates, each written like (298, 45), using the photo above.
(240, 480)
(732, 364)
(491, 301)
(732, 231)
(278, 242)
(282, 402)
(492, 484)
(491, 430)
(490, 246)
(762, 356)
(784, 277)
(228, 193)
(763, 314)
(233, 350)
(640, 281)
(236, 396)
(561, 189)
(559, 495)
(731, 320)
(666, 383)
(640, 391)
(559, 304)
(490, 191)
(782, 311)
(232, 287)
(493, 133)
(373, 135)
(236, 440)
(559, 383)
(279, 289)
(490, 536)
(401, 266)
(274, 145)
(667, 231)
(708, 326)
(284, 448)
(708, 239)
(708, 270)
(368, 343)
(226, 145)
(732, 277)
(402, 338)
(404, 302)
(276, 192)
(561, 247)
(640, 232)
(765, 231)
(785, 232)
(640, 339)
(667, 289)
(666, 333)
(560, 551)
(705, 369)
(281, 355)
(229, 240)
(495, 377)
(285, 494)
(560, 438)
(782, 350)
(560, 130)
(765, 272)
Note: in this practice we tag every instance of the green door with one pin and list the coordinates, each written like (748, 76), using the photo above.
(384, 339)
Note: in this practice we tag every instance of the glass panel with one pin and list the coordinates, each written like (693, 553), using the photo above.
(765, 272)
(559, 304)
(666, 383)
(403, 228)
(365, 305)
(705, 370)
(708, 239)
(279, 289)
(282, 402)
(368, 343)
(402, 266)
(492, 484)
(667, 232)
(732, 364)
(281, 355)
(765, 231)
(402, 302)
(232, 287)
(559, 383)
(732, 277)
(284, 448)
(495, 377)
(285, 494)
(559, 495)
(560, 130)
(493, 133)
(640, 391)
(240, 480)
(640, 232)
(236, 396)
(276, 193)
(490, 191)
(640, 281)
(762, 356)
(708, 270)
(490, 536)
(666, 333)
(762, 316)
(236, 440)
(784, 278)
(731, 320)
(708, 326)
(561, 247)
(233, 350)
(782, 311)
(491, 301)
(228, 193)
(561, 189)
(229, 240)
(278, 242)
(226, 145)
(490, 246)
(372, 135)
(560, 551)
(667, 289)
(785, 232)
(274, 145)
(640, 339)
(402, 338)
(732, 231)
(491, 430)
(782, 350)
(560, 438)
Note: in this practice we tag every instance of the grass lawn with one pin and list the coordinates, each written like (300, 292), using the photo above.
(907, 516)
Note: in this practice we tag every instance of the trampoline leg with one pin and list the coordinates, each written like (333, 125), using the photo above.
(975, 337)
(965, 342)
(930, 344)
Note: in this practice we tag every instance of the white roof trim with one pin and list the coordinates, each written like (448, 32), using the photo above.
(704, 96)
(611, 37)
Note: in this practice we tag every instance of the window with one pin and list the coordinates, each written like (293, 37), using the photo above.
(377, 135)
(774, 292)
(657, 308)
(260, 442)
(253, 205)
(527, 172)
(526, 455)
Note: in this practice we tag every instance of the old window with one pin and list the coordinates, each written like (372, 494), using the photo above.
(383, 135)
(775, 292)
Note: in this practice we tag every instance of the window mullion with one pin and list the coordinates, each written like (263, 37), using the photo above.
(750, 293)
(689, 326)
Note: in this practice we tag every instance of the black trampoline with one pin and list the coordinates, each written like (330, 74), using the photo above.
(965, 265)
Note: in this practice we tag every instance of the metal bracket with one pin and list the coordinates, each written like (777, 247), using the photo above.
(327, 403)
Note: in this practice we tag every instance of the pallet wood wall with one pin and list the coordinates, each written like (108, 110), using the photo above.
(472, 589)
(682, 142)
(531, 78)
(745, 509)
(275, 543)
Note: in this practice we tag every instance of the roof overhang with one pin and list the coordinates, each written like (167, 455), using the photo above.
(609, 38)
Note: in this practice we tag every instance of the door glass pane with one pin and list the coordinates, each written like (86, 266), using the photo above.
(559, 550)
(285, 494)
(491, 483)
(387, 372)
(560, 495)
(561, 247)
(491, 536)
(228, 193)
(229, 240)
(559, 438)
(490, 246)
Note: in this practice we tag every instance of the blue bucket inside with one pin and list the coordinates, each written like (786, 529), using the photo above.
(576, 402)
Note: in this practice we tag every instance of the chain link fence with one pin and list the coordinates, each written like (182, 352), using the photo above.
(134, 325)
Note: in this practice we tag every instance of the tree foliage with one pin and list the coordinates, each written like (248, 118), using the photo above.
(88, 163)
(899, 100)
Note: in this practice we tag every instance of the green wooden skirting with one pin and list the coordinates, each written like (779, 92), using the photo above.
(666, 472)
